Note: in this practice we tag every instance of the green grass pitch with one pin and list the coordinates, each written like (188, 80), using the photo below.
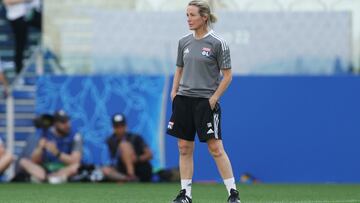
(164, 193)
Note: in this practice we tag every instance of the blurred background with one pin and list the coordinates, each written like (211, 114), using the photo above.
(291, 114)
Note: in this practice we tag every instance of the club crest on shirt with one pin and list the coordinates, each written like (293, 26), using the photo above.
(205, 51)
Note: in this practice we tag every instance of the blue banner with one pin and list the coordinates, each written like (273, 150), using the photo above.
(92, 100)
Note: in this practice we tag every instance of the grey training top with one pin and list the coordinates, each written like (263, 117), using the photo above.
(201, 60)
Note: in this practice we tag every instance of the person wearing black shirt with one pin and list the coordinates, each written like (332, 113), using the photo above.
(129, 153)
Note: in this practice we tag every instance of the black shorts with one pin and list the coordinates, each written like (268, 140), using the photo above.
(192, 115)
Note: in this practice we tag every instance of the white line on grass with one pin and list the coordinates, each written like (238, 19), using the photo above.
(308, 201)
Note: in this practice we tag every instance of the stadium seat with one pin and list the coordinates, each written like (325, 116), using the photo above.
(19, 122)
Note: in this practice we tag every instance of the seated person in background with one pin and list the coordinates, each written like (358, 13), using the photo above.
(129, 152)
(58, 152)
(5, 157)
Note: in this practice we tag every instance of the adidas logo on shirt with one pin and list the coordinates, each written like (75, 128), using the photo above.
(186, 51)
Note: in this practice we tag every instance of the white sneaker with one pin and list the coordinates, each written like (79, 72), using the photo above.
(57, 179)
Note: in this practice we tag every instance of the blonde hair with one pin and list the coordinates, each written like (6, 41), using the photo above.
(204, 10)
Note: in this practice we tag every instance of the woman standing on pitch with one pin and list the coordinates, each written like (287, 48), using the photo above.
(196, 89)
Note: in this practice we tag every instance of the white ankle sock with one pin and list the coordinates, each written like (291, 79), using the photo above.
(230, 183)
(186, 184)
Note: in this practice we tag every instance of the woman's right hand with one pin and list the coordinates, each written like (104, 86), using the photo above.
(173, 95)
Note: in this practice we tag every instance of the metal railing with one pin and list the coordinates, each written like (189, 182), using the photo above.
(10, 132)
(36, 58)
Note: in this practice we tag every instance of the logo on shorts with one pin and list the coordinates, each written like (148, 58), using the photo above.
(209, 125)
(210, 131)
(170, 125)
(205, 51)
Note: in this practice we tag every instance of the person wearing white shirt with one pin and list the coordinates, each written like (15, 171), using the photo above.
(22, 14)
